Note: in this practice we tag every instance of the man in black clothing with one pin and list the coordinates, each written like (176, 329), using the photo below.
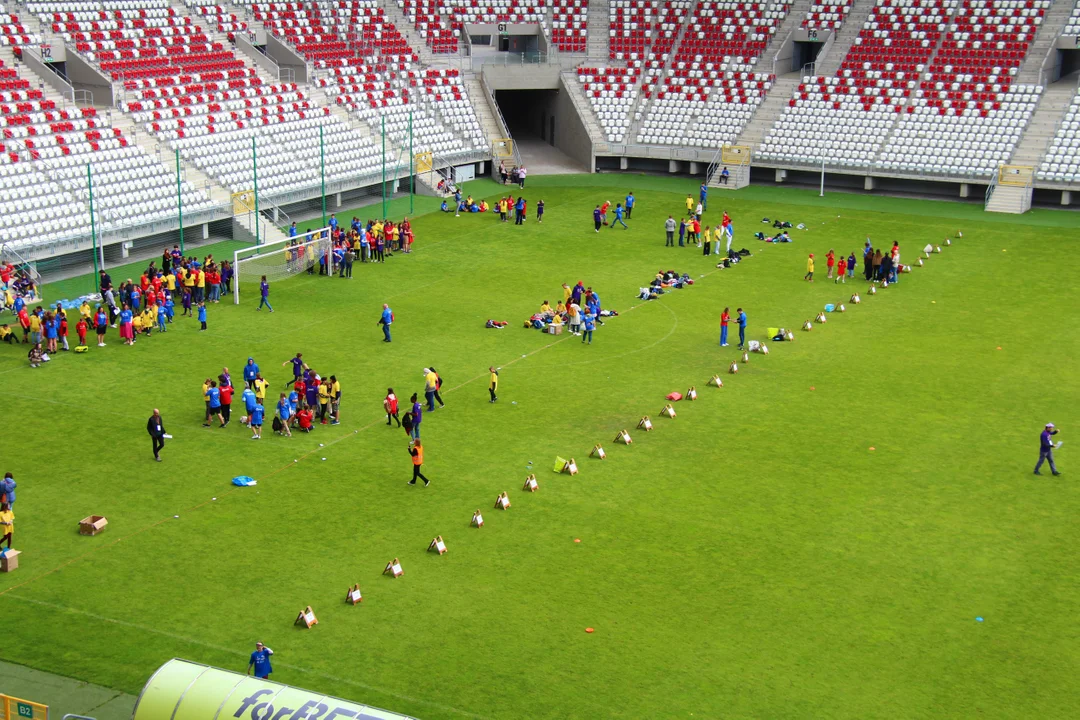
(156, 427)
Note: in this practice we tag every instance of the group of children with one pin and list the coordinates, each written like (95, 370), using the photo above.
(16, 284)
(581, 321)
(309, 397)
(877, 266)
(503, 207)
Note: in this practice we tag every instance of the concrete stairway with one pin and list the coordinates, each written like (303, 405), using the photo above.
(829, 63)
(769, 111)
(1052, 24)
(408, 29)
(1044, 123)
(599, 22)
(641, 109)
(795, 15)
(1008, 199)
(488, 122)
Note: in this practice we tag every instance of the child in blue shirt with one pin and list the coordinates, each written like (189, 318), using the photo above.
(169, 307)
(161, 318)
(590, 325)
(256, 420)
(202, 316)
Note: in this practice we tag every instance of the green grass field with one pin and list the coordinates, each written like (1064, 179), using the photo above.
(815, 539)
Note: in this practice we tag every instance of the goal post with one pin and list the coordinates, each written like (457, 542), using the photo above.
(281, 259)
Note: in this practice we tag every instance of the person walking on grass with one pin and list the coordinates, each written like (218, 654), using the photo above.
(298, 368)
(809, 276)
(493, 384)
(742, 328)
(851, 265)
(390, 405)
(7, 489)
(438, 387)
(830, 263)
(386, 320)
(7, 525)
(630, 200)
(841, 271)
(226, 390)
(725, 318)
(264, 295)
(417, 452)
(1046, 449)
(417, 416)
(598, 218)
(202, 316)
(260, 659)
(213, 405)
(155, 427)
(669, 230)
(255, 419)
(284, 413)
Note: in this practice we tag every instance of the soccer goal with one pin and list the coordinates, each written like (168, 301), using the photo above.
(281, 259)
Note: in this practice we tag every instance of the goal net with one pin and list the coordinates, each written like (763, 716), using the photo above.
(281, 259)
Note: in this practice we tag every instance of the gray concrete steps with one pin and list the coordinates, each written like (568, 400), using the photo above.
(1046, 36)
(1008, 199)
(488, 122)
(770, 110)
(599, 23)
(641, 110)
(795, 15)
(845, 37)
(408, 29)
(1056, 98)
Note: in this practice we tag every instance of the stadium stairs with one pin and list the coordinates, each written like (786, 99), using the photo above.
(773, 106)
(844, 38)
(641, 110)
(598, 44)
(1045, 38)
(408, 29)
(1044, 123)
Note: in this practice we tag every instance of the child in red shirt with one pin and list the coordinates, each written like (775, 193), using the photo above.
(830, 261)
(304, 418)
(62, 331)
(301, 388)
(80, 327)
(841, 271)
(390, 405)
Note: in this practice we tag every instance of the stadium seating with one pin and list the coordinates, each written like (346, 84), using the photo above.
(426, 17)
(828, 15)
(367, 66)
(13, 32)
(1072, 25)
(569, 32)
(877, 75)
(43, 174)
(216, 16)
(961, 143)
(711, 89)
(1062, 160)
(611, 92)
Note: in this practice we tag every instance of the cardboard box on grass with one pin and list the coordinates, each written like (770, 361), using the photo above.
(9, 561)
(92, 525)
